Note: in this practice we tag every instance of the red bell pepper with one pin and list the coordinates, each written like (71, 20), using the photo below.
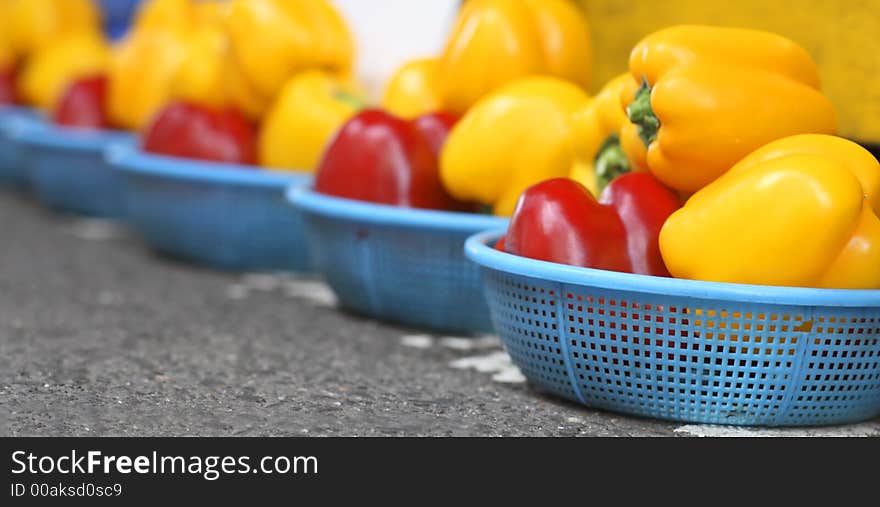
(8, 91)
(378, 157)
(194, 131)
(82, 104)
(559, 221)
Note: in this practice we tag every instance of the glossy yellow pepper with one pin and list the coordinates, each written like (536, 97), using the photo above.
(496, 41)
(596, 138)
(35, 24)
(273, 40)
(412, 90)
(511, 139)
(209, 72)
(142, 72)
(8, 55)
(211, 11)
(49, 70)
(7, 58)
(702, 97)
(311, 107)
(200, 77)
(801, 211)
(240, 92)
(181, 15)
(176, 50)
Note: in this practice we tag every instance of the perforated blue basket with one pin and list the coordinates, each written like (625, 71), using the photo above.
(397, 264)
(68, 171)
(220, 215)
(686, 350)
(13, 154)
(117, 16)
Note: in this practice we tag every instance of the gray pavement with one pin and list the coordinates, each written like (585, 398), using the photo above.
(99, 336)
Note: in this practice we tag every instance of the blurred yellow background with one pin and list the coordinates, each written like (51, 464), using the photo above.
(842, 35)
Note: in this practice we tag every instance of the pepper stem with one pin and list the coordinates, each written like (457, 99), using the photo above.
(350, 99)
(610, 162)
(485, 209)
(642, 115)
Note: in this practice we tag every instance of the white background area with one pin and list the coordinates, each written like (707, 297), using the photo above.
(391, 32)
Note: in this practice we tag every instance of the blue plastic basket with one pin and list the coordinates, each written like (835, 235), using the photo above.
(117, 16)
(397, 264)
(68, 171)
(686, 350)
(220, 215)
(13, 154)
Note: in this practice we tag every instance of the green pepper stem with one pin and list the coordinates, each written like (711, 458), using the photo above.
(642, 114)
(350, 99)
(610, 162)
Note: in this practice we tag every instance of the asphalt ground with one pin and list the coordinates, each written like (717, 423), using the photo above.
(99, 336)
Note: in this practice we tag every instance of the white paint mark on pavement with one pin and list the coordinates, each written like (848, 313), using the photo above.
(498, 363)
(417, 341)
(236, 291)
(97, 229)
(475, 343)
(510, 375)
(313, 291)
(291, 285)
(264, 282)
(108, 298)
(854, 430)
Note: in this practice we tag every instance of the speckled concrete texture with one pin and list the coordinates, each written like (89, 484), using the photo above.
(99, 336)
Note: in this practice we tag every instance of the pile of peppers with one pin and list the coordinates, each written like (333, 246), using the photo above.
(242, 81)
(742, 177)
(714, 157)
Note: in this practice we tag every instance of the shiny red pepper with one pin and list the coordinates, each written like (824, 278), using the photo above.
(559, 221)
(381, 158)
(194, 131)
(82, 104)
(8, 93)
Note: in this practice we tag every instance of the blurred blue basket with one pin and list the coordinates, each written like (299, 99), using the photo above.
(13, 154)
(219, 215)
(398, 264)
(68, 171)
(686, 350)
(118, 15)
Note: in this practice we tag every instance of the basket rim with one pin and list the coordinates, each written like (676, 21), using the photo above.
(19, 110)
(42, 133)
(13, 119)
(306, 199)
(130, 158)
(477, 249)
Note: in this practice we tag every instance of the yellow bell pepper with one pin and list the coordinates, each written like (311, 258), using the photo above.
(142, 72)
(53, 67)
(702, 97)
(496, 41)
(7, 51)
(273, 40)
(496, 151)
(412, 90)
(240, 92)
(801, 211)
(7, 55)
(311, 107)
(35, 24)
(176, 50)
(7, 58)
(200, 77)
(180, 15)
(596, 137)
